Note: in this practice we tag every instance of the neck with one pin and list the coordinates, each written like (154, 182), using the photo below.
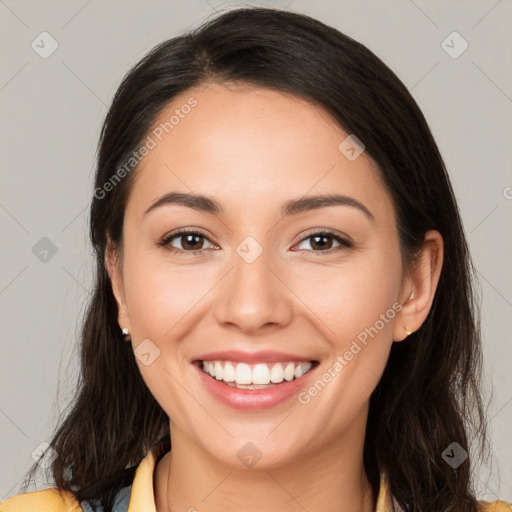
(331, 479)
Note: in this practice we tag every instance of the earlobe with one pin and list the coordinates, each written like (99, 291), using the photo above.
(422, 280)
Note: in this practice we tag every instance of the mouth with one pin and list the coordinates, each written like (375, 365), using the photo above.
(253, 376)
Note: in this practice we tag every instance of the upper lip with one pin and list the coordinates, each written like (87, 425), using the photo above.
(265, 356)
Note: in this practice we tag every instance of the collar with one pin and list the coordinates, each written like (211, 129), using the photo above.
(143, 497)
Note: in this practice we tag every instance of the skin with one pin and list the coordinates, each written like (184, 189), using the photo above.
(253, 149)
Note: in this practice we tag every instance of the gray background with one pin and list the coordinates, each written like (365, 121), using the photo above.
(52, 110)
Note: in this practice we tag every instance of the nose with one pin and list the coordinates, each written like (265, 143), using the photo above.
(253, 296)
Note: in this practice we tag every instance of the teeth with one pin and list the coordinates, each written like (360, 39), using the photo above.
(261, 374)
(218, 370)
(289, 371)
(229, 373)
(256, 376)
(277, 373)
(299, 371)
(243, 374)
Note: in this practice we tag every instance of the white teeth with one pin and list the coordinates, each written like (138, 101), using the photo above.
(243, 374)
(289, 371)
(302, 369)
(259, 375)
(277, 374)
(229, 373)
(218, 370)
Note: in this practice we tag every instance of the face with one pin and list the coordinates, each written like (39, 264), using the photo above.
(254, 284)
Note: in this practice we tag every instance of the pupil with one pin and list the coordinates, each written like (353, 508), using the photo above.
(188, 238)
(322, 246)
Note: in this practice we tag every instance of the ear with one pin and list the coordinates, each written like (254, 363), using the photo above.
(420, 286)
(114, 269)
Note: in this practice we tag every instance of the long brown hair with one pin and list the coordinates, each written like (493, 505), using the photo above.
(428, 396)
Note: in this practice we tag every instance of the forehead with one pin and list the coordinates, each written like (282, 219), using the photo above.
(251, 146)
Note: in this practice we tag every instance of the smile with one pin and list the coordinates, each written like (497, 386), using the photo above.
(255, 376)
(254, 386)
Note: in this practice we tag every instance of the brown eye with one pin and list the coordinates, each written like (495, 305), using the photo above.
(323, 242)
(188, 241)
(191, 241)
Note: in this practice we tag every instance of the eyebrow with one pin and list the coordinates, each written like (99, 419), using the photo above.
(292, 207)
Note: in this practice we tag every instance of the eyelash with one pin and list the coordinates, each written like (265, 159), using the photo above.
(344, 243)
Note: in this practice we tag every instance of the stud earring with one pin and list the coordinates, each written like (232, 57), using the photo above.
(126, 333)
(408, 332)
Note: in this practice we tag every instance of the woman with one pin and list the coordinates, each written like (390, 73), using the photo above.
(283, 289)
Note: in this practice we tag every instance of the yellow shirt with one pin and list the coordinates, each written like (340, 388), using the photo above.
(142, 495)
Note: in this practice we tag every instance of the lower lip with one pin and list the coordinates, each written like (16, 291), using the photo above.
(253, 399)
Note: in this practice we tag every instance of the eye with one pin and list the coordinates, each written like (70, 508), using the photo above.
(323, 241)
(189, 241)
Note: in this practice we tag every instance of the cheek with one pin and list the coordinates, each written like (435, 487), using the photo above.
(350, 300)
(161, 296)
(359, 305)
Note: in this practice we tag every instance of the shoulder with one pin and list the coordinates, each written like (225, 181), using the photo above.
(47, 500)
(495, 506)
